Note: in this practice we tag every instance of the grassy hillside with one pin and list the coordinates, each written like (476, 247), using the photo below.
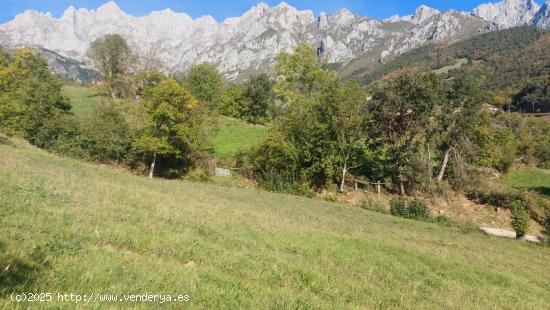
(537, 180)
(67, 226)
(234, 136)
(83, 99)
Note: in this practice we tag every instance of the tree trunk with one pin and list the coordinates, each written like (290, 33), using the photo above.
(401, 181)
(401, 187)
(152, 168)
(343, 183)
(443, 165)
(430, 163)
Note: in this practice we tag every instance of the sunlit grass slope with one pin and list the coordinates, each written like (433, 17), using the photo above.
(533, 179)
(83, 99)
(234, 135)
(68, 226)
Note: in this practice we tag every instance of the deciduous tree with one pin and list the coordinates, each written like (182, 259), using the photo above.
(173, 126)
(112, 57)
(400, 111)
(460, 114)
(205, 83)
(259, 92)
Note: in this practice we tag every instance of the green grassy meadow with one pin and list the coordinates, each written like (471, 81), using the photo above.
(234, 135)
(83, 99)
(69, 226)
(533, 179)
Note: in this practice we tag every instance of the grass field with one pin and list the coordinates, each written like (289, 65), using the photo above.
(235, 135)
(531, 179)
(83, 99)
(68, 226)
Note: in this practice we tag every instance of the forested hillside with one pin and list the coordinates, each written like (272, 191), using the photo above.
(504, 61)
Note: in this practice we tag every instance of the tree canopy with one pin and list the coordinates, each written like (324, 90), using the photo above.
(173, 127)
(205, 83)
(112, 58)
(30, 98)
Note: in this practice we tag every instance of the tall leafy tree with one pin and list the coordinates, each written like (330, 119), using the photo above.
(321, 136)
(299, 145)
(30, 97)
(259, 92)
(173, 125)
(205, 83)
(112, 57)
(534, 97)
(400, 111)
(346, 116)
(234, 103)
(299, 75)
(461, 115)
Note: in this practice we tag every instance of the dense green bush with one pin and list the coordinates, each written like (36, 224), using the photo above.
(504, 198)
(398, 207)
(418, 210)
(497, 198)
(542, 152)
(415, 210)
(520, 219)
(30, 98)
(107, 134)
(234, 103)
(282, 182)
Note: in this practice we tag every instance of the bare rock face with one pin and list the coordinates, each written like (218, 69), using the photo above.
(442, 27)
(508, 13)
(423, 13)
(250, 43)
(542, 18)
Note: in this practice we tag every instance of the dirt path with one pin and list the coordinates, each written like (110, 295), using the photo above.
(499, 232)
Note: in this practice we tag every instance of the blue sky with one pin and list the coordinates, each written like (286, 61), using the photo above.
(220, 9)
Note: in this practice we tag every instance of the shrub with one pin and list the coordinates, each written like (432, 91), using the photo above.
(520, 219)
(282, 182)
(542, 152)
(330, 198)
(418, 210)
(502, 199)
(535, 205)
(107, 133)
(398, 207)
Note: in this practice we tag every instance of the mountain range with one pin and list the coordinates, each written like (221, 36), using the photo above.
(239, 46)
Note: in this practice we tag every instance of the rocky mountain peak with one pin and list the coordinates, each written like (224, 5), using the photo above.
(322, 20)
(258, 10)
(250, 43)
(542, 18)
(508, 13)
(422, 13)
(110, 8)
